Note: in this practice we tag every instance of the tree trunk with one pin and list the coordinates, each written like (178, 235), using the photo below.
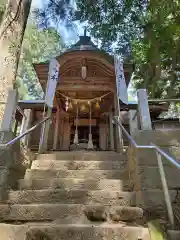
(12, 30)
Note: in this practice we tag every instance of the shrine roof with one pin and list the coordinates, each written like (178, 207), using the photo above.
(84, 46)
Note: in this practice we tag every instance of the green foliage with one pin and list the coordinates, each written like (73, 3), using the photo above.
(2, 8)
(145, 32)
(38, 46)
(157, 54)
(156, 230)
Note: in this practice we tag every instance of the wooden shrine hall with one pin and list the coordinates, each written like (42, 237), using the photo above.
(85, 96)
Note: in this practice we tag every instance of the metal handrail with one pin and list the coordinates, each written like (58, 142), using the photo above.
(14, 140)
(164, 100)
(152, 146)
(159, 153)
(169, 158)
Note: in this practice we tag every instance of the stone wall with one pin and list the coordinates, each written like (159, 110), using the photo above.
(144, 173)
(166, 126)
(13, 163)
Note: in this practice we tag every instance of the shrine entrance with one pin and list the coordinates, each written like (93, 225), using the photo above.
(88, 118)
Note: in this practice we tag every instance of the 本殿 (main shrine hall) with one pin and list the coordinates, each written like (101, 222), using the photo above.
(85, 101)
(86, 79)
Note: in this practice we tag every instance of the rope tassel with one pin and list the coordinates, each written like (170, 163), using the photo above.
(76, 140)
(90, 142)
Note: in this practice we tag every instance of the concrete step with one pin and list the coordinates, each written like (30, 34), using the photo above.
(147, 157)
(77, 165)
(72, 196)
(75, 183)
(174, 235)
(98, 174)
(69, 213)
(150, 177)
(83, 156)
(73, 231)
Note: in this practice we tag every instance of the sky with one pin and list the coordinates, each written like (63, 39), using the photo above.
(36, 3)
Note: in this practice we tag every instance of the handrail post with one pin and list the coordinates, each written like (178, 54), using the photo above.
(143, 109)
(26, 123)
(9, 111)
(118, 133)
(165, 189)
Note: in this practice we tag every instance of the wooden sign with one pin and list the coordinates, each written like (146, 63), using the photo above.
(85, 122)
(52, 82)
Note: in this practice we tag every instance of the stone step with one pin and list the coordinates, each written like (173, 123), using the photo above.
(77, 165)
(72, 196)
(75, 183)
(69, 213)
(83, 156)
(150, 177)
(98, 174)
(154, 199)
(73, 231)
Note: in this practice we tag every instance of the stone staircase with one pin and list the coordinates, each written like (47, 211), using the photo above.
(73, 195)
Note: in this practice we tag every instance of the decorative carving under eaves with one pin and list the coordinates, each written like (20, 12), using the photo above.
(75, 72)
(92, 71)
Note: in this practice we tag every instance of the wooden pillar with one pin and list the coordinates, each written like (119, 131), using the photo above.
(143, 108)
(118, 133)
(45, 133)
(133, 121)
(26, 124)
(111, 131)
(56, 129)
(61, 133)
(66, 135)
(22, 124)
(103, 136)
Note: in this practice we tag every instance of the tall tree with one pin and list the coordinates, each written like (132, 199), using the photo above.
(157, 52)
(146, 32)
(12, 30)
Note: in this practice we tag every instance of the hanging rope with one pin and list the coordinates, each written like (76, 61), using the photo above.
(84, 100)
